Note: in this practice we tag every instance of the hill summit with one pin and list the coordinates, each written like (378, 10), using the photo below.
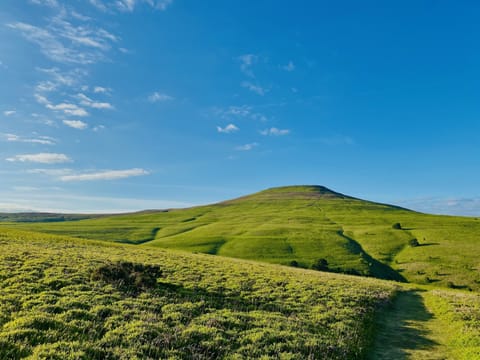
(305, 192)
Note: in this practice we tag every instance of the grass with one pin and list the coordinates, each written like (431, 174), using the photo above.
(303, 224)
(65, 298)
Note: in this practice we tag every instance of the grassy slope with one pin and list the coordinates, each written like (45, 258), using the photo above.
(305, 223)
(203, 307)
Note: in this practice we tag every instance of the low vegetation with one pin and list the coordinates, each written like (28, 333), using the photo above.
(65, 298)
(298, 225)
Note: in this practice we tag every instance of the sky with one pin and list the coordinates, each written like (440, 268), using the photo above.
(122, 105)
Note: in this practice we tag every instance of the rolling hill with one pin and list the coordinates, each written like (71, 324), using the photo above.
(299, 226)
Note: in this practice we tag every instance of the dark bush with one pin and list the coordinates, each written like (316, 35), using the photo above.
(294, 263)
(397, 226)
(414, 242)
(128, 276)
(320, 264)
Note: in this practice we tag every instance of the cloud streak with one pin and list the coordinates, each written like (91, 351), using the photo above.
(160, 97)
(105, 175)
(43, 140)
(257, 89)
(42, 158)
(246, 147)
(275, 132)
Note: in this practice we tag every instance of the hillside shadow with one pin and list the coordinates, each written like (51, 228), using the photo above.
(377, 269)
(401, 328)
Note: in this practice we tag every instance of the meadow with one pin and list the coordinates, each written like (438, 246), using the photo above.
(300, 225)
(65, 298)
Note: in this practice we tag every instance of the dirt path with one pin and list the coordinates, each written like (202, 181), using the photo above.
(409, 330)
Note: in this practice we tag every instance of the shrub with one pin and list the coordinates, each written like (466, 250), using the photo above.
(128, 276)
(414, 242)
(320, 264)
(294, 263)
(397, 226)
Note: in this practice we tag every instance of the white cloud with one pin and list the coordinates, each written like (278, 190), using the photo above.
(69, 109)
(257, 89)
(42, 158)
(246, 147)
(59, 79)
(246, 63)
(243, 111)
(289, 67)
(98, 128)
(160, 97)
(43, 140)
(50, 172)
(9, 112)
(275, 132)
(86, 101)
(105, 175)
(129, 5)
(227, 129)
(62, 41)
(101, 90)
(76, 124)
(49, 3)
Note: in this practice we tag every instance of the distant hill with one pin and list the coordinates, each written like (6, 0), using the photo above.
(44, 217)
(305, 226)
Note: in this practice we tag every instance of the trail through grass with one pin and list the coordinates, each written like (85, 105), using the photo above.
(408, 330)
(429, 324)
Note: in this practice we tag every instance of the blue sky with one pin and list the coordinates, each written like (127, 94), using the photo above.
(131, 104)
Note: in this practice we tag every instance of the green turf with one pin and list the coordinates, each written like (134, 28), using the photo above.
(303, 224)
(54, 305)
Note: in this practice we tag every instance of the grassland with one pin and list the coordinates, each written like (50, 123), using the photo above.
(299, 225)
(54, 305)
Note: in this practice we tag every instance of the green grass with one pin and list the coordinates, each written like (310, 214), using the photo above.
(54, 305)
(304, 224)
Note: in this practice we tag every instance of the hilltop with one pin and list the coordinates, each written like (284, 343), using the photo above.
(304, 226)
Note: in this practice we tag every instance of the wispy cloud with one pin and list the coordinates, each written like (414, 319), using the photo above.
(86, 101)
(243, 111)
(76, 124)
(230, 128)
(160, 97)
(257, 89)
(246, 63)
(58, 78)
(62, 41)
(129, 5)
(68, 109)
(102, 90)
(247, 147)
(289, 67)
(43, 140)
(42, 158)
(105, 175)
(9, 112)
(49, 3)
(50, 172)
(275, 132)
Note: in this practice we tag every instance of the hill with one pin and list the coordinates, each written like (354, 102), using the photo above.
(64, 298)
(305, 226)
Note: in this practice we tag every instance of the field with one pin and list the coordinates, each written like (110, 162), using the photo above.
(300, 225)
(64, 298)
(234, 280)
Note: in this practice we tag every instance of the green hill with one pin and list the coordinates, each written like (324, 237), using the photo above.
(301, 225)
(64, 298)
